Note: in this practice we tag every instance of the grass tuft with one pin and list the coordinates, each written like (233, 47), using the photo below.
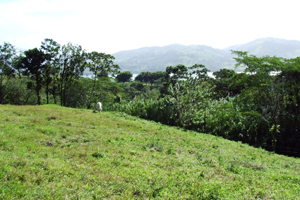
(51, 118)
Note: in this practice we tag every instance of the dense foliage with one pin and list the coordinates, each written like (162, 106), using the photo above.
(124, 76)
(55, 72)
(259, 107)
(150, 77)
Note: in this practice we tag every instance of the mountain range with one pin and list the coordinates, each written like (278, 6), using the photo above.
(158, 58)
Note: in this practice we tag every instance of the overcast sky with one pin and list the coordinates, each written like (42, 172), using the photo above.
(114, 25)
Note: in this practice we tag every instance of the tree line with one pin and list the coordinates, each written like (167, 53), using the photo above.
(53, 68)
(259, 106)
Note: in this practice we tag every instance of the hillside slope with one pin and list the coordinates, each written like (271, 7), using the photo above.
(158, 58)
(52, 152)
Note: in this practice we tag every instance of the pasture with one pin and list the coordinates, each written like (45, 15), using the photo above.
(53, 152)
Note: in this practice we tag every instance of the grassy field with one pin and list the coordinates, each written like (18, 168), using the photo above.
(50, 152)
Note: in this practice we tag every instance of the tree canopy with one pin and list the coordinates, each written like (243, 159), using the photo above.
(124, 76)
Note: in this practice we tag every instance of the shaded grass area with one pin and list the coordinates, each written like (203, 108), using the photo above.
(55, 152)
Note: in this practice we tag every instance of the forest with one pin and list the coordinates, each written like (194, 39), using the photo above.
(259, 107)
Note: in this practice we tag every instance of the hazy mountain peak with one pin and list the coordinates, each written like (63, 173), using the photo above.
(158, 58)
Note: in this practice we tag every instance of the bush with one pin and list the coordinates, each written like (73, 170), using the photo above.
(17, 93)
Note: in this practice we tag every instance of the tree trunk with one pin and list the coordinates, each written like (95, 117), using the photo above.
(89, 104)
(38, 88)
(1, 93)
(47, 93)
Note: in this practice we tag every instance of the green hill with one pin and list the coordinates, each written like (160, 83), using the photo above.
(52, 152)
(158, 58)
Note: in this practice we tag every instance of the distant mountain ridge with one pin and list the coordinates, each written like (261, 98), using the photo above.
(158, 58)
(271, 47)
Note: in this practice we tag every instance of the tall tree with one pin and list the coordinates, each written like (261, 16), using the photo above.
(33, 63)
(172, 76)
(265, 92)
(51, 50)
(189, 96)
(17, 64)
(72, 61)
(199, 72)
(222, 83)
(7, 54)
(289, 119)
(101, 64)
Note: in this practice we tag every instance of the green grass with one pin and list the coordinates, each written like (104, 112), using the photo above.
(52, 152)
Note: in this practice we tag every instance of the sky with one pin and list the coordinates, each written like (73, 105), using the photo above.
(110, 26)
